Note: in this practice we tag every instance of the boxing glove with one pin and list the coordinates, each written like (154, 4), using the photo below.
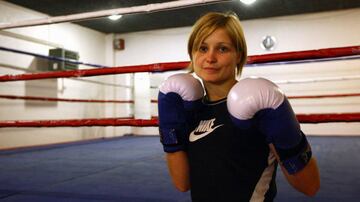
(178, 97)
(259, 102)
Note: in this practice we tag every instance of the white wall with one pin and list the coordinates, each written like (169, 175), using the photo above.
(308, 32)
(92, 46)
(148, 47)
(293, 33)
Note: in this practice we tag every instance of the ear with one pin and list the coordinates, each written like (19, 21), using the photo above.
(238, 58)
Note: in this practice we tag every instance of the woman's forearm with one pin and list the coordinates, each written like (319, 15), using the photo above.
(179, 170)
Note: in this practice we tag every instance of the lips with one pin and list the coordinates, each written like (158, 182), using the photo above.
(211, 69)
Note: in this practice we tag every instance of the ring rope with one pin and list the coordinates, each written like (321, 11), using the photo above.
(81, 122)
(51, 99)
(303, 61)
(76, 79)
(59, 59)
(343, 78)
(62, 99)
(160, 67)
(307, 54)
(149, 8)
(102, 83)
(324, 96)
(327, 118)
(303, 118)
(283, 58)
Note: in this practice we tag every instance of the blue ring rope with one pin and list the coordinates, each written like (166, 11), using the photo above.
(51, 57)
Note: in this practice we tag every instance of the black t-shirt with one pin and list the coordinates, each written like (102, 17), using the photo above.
(227, 163)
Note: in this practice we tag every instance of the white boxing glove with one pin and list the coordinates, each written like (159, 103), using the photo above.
(250, 95)
(179, 96)
(259, 102)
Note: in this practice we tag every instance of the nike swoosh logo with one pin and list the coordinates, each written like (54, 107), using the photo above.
(193, 137)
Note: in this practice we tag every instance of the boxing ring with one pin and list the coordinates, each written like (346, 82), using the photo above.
(129, 167)
(71, 170)
(270, 59)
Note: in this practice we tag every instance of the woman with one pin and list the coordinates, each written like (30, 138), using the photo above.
(210, 149)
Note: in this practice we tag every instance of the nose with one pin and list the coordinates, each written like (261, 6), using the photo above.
(211, 56)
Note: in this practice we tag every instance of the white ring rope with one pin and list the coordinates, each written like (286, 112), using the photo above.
(344, 78)
(103, 13)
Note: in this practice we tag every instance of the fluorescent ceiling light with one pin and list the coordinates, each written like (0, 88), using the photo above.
(248, 2)
(114, 17)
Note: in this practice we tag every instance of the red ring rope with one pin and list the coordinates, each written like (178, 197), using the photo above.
(80, 122)
(152, 101)
(160, 67)
(303, 118)
(62, 99)
(326, 118)
(323, 96)
(308, 54)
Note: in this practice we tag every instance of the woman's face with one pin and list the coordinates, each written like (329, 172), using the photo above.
(215, 60)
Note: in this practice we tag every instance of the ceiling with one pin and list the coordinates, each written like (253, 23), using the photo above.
(177, 17)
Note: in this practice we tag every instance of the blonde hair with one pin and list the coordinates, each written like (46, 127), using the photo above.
(207, 24)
